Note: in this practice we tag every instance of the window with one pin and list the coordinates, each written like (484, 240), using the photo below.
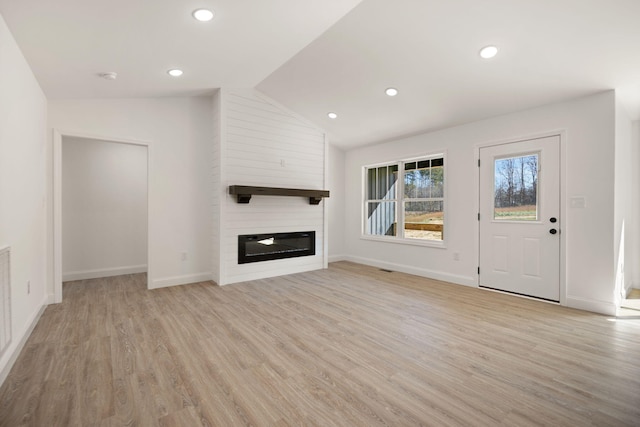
(405, 200)
(424, 199)
(382, 200)
(516, 188)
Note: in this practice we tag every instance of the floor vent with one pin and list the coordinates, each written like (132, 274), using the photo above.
(5, 299)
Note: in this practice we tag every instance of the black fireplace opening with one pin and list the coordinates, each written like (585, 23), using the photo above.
(267, 247)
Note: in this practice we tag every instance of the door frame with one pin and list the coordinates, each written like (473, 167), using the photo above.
(563, 205)
(58, 137)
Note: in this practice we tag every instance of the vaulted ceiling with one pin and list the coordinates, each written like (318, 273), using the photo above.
(69, 42)
(340, 55)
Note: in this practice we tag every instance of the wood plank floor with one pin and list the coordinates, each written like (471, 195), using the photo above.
(347, 346)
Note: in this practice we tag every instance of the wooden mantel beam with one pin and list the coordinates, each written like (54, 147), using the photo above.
(243, 193)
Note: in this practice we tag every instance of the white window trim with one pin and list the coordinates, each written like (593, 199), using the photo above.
(400, 239)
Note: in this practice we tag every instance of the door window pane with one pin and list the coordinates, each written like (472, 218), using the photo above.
(516, 188)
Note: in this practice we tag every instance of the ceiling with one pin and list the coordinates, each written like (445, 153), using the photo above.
(339, 56)
(69, 42)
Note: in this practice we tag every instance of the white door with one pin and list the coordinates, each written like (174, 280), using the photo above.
(520, 217)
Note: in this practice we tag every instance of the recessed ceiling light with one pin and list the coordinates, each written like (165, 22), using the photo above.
(203, 15)
(332, 115)
(488, 52)
(175, 72)
(392, 91)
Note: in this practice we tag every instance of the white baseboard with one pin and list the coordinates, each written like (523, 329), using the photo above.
(423, 272)
(103, 272)
(336, 258)
(10, 357)
(603, 307)
(180, 280)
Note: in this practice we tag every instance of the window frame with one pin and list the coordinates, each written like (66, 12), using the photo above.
(400, 201)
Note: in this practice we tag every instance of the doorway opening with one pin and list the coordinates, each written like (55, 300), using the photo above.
(101, 220)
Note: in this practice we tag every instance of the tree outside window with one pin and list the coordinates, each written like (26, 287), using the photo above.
(516, 188)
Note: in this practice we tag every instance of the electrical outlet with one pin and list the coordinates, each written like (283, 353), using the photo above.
(283, 163)
(456, 256)
(183, 256)
(28, 287)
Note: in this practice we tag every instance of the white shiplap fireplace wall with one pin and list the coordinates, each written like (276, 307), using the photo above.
(259, 143)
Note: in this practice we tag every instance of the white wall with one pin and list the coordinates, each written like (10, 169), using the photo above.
(588, 147)
(633, 260)
(23, 115)
(336, 203)
(179, 133)
(264, 145)
(104, 208)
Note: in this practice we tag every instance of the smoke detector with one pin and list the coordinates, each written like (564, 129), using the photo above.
(109, 76)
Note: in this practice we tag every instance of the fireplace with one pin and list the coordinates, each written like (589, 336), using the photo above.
(267, 247)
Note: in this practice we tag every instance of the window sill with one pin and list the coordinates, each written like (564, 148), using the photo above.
(402, 241)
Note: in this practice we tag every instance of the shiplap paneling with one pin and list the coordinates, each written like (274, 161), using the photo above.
(262, 144)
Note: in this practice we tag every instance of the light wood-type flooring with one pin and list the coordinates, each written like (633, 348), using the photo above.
(347, 346)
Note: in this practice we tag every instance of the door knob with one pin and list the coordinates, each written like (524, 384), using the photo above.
(553, 231)
(553, 219)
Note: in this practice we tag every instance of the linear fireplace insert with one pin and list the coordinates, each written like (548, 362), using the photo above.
(267, 247)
